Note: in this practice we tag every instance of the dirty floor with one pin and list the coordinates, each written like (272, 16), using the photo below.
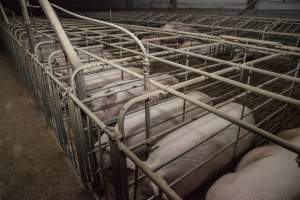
(32, 165)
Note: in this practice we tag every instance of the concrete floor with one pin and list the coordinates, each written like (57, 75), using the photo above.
(32, 165)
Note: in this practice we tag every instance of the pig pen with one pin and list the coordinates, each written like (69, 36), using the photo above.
(272, 30)
(163, 86)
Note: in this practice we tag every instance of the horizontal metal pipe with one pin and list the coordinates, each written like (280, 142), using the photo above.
(242, 66)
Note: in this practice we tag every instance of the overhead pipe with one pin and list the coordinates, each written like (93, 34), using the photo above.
(26, 22)
(65, 43)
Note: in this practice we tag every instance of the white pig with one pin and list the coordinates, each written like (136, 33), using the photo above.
(120, 98)
(269, 172)
(162, 116)
(177, 27)
(189, 136)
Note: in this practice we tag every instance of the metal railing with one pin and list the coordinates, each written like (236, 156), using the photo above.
(281, 30)
(101, 150)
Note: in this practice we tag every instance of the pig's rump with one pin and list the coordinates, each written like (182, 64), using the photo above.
(192, 134)
(267, 172)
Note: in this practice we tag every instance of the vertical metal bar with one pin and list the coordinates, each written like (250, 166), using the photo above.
(243, 109)
(77, 121)
(4, 15)
(185, 88)
(27, 24)
(147, 106)
(283, 121)
(119, 168)
(101, 165)
(129, 4)
(173, 4)
(136, 174)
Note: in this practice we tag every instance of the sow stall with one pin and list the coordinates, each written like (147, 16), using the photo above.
(81, 70)
(279, 30)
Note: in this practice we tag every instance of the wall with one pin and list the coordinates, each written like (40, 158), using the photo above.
(217, 4)
(222, 4)
(232, 4)
(74, 5)
(279, 5)
(96, 5)
(146, 3)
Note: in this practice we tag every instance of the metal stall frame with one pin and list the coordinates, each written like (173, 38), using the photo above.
(218, 25)
(51, 93)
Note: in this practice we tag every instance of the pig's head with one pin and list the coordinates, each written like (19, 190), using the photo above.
(98, 106)
(169, 26)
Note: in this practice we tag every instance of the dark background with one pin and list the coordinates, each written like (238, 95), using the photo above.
(77, 5)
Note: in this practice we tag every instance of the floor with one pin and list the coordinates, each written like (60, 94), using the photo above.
(32, 165)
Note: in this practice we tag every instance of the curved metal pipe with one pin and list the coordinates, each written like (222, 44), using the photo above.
(65, 42)
(143, 49)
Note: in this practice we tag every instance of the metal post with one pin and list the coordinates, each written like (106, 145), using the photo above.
(4, 14)
(65, 43)
(147, 106)
(26, 22)
(173, 4)
(129, 4)
(119, 172)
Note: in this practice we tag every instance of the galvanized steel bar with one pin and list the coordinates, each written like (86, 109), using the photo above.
(26, 21)
(64, 41)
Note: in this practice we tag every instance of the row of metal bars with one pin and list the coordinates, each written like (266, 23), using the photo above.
(79, 108)
(264, 28)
